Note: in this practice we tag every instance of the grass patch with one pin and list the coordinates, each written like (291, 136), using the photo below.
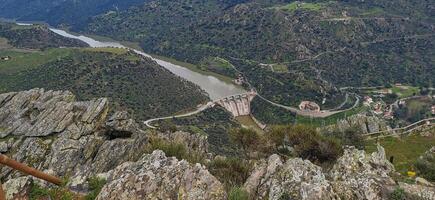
(405, 91)
(297, 5)
(28, 60)
(60, 193)
(248, 122)
(333, 119)
(173, 149)
(117, 51)
(405, 150)
(237, 193)
(373, 11)
(280, 68)
(95, 186)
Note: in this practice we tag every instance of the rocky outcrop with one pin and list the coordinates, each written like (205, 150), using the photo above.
(357, 175)
(365, 124)
(52, 132)
(49, 130)
(294, 179)
(155, 176)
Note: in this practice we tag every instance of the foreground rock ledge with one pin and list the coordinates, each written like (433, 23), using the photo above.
(155, 176)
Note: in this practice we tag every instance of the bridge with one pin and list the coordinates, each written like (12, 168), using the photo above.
(237, 105)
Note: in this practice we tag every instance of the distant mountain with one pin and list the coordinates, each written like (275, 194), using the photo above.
(55, 12)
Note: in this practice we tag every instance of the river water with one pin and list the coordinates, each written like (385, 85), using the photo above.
(214, 87)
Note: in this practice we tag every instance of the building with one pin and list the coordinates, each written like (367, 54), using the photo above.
(309, 106)
(378, 108)
(368, 100)
(5, 58)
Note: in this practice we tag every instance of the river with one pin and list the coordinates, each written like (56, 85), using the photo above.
(213, 86)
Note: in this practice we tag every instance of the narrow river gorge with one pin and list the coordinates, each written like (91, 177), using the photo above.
(215, 87)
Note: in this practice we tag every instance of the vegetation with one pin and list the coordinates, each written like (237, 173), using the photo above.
(425, 166)
(173, 149)
(310, 58)
(292, 7)
(95, 186)
(405, 151)
(247, 139)
(61, 193)
(232, 172)
(238, 193)
(132, 82)
(60, 12)
(35, 37)
(215, 123)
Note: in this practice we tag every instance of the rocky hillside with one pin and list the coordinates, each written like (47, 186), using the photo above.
(35, 37)
(51, 131)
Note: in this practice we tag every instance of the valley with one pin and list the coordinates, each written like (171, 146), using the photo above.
(217, 99)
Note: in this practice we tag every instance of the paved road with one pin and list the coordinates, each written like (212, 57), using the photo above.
(321, 114)
(200, 109)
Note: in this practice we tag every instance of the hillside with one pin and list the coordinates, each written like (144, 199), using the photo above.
(286, 48)
(33, 37)
(56, 12)
(132, 82)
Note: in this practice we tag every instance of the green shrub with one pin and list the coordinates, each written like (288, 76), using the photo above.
(173, 149)
(230, 171)
(398, 194)
(95, 186)
(350, 137)
(425, 167)
(60, 193)
(237, 193)
(309, 144)
(247, 139)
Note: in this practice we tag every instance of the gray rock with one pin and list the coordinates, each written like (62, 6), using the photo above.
(357, 175)
(157, 177)
(17, 188)
(294, 179)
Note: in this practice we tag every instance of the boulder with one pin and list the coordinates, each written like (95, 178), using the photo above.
(357, 175)
(295, 179)
(155, 176)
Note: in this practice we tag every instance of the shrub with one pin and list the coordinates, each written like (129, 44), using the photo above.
(349, 137)
(398, 194)
(425, 166)
(237, 193)
(95, 186)
(230, 171)
(60, 193)
(247, 139)
(173, 149)
(309, 144)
